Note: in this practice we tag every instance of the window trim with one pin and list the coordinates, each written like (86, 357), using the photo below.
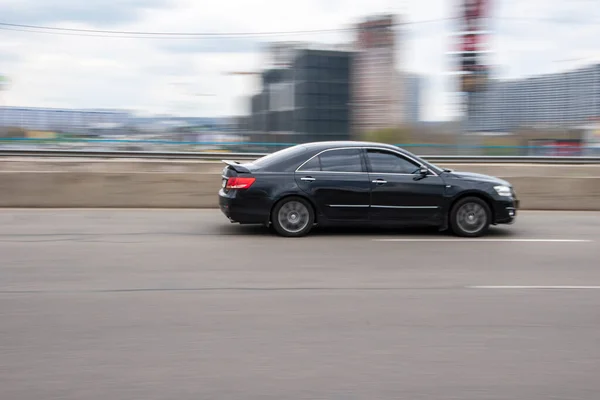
(309, 160)
(364, 161)
(370, 167)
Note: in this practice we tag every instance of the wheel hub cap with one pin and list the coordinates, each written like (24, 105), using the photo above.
(471, 217)
(293, 216)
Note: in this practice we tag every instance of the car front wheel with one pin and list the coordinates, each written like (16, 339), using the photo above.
(470, 217)
(293, 217)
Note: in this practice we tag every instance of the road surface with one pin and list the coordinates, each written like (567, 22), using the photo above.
(146, 304)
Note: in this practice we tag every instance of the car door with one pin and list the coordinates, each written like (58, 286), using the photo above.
(399, 192)
(338, 182)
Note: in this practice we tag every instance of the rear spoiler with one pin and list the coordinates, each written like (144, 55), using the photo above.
(236, 166)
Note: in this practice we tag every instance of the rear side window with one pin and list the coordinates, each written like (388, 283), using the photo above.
(342, 160)
(313, 164)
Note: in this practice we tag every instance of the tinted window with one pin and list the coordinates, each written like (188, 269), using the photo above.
(311, 165)
(346, 160)
(279, 156)
(386, 162)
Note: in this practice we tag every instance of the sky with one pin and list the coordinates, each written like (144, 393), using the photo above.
(188, 76)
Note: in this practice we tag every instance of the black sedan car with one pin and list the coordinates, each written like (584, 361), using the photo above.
(333, 183)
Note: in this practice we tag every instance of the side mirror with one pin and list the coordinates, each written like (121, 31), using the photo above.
(422, 173)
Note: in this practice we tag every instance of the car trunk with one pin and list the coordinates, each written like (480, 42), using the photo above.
(234, 170)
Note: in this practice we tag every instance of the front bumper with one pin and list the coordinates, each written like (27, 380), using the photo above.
(506, 211)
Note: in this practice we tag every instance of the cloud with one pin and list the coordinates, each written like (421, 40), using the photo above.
(173, 66)
(540, 43)
(85, 72)
(211, 45)
(8, 57)
(73, 71)
(95, 12)
(573, 12)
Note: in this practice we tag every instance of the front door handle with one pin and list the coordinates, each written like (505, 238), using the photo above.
(308, 179)
(379, 182)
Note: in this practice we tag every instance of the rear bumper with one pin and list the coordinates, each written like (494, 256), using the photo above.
(244, 209)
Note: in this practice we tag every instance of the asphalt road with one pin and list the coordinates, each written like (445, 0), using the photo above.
(183, 305)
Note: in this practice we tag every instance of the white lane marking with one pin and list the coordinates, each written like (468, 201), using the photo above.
(488, 240)
(533, 287)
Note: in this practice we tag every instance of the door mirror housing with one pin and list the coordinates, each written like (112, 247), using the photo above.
(421, 173)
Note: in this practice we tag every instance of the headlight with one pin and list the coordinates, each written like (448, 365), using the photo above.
(503, 190)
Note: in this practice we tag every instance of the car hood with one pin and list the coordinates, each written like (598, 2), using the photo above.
(478, 177)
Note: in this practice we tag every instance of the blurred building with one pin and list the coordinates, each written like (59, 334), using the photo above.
(562, 99)
(167, 123)
(60, 120)
(282, 54)
(413, 87)
(377, 93)
(322, 94)
(258, 117)
(309, 101)
(316, 92)
(242, 123)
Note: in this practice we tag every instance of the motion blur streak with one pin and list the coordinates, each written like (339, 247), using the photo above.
(99, 304)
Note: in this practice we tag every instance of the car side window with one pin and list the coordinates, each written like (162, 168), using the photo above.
(386, 162)
(311, 165)
(342, 160)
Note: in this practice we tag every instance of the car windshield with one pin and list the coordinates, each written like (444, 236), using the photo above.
(279, 155)
(435, 168)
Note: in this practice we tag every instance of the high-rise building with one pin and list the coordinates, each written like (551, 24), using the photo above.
(282, 54)
(562, 100)
(412, 86)
(377, 93)
(309, 101)
(321, 94)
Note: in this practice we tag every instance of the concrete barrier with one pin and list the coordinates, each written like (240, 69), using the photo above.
(193, 184)
(108, 189)
(558, 193)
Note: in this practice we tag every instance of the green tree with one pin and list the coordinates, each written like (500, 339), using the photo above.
(12, 132)
(397, 135)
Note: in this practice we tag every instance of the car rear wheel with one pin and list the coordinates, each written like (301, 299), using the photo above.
(470, 217)
(293, 217)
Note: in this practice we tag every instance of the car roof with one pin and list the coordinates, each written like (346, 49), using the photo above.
(348, 143)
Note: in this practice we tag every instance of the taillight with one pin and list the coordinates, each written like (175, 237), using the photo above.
(239, 183)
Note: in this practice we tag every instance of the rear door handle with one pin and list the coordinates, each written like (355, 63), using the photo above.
(379, 182)
(308, 179)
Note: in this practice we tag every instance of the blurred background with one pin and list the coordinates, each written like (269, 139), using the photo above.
(464, 77)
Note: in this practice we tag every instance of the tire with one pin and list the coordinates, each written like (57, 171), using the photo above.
(470, 217)
(293, 217)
